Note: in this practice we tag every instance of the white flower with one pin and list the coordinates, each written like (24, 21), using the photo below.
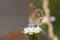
(31, 30)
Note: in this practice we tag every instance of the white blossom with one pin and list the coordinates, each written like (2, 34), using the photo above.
(31, 30)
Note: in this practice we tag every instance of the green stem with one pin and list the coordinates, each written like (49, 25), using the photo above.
(33, 37)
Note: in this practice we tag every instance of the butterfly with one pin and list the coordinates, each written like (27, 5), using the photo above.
(35, 14)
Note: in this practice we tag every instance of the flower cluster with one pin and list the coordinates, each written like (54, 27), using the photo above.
(31, 30)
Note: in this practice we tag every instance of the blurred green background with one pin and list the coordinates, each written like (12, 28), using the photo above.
(54, 11)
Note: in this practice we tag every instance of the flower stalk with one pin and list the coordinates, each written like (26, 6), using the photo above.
(33, 36)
